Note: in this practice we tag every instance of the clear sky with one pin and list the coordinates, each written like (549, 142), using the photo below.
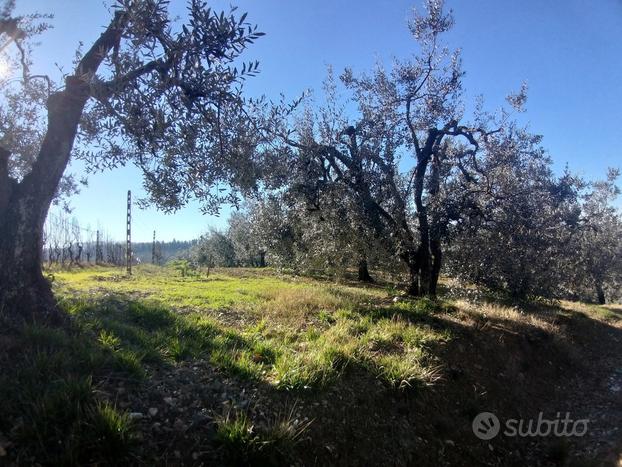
(568, 51)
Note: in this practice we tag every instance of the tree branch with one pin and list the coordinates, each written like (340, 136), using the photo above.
(4, 164)
(109, 39)
(411, 127)
(104, 90)
(64, 112)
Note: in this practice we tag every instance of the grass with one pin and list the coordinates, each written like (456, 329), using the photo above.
(258, 294)
(292, 334)
(315, 330)
(49, 401)
(139, 333)
(244, 444)
(609, 313)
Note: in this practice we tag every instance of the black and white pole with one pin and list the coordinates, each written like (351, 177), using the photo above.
(153, 250)
(129, 233)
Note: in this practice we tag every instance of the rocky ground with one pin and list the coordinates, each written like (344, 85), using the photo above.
(361, 421)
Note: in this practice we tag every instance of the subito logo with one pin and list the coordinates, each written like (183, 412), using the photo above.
(486, 426)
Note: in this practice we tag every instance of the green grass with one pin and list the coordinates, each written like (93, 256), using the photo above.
(49, 402)
(294, 333)
(258, 293)
(611, 313)
(245, 444)
(139, 333)
(290, 333)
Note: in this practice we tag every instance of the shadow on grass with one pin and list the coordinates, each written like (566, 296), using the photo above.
(348, 278)
(48, 402)
(151, 333)
(51, 407)
(413, 310)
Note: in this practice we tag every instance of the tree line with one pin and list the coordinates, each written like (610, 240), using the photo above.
(408, 182)
(565, 240)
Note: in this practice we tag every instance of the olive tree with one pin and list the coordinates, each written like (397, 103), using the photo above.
(403, 136)
(152, 91)
(247, 241)
(514, 236)
(595, 250)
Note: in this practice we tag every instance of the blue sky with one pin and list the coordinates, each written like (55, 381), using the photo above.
(568, 51)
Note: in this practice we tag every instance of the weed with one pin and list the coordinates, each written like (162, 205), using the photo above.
(111, 430)
(108, 340)
(244, 444)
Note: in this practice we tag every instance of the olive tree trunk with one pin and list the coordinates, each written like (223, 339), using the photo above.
(23, 289)
(24, 292)
(23, 209)
(600, 294)
(363, 271)
(424, 255)
(437, 258)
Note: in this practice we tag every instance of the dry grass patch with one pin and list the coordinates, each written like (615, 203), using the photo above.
(491, 314)
(294, 307)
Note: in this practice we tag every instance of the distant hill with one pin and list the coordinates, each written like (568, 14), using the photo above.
(166, 250)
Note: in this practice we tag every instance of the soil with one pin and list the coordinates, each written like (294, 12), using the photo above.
(511, 369)
(514, 372)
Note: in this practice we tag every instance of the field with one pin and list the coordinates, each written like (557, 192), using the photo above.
(251, 366)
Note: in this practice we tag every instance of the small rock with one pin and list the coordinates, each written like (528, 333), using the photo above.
(153, 411)
(179, 425)
(136, 416)
(2, 452)
(169, 400)
(200, 418)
